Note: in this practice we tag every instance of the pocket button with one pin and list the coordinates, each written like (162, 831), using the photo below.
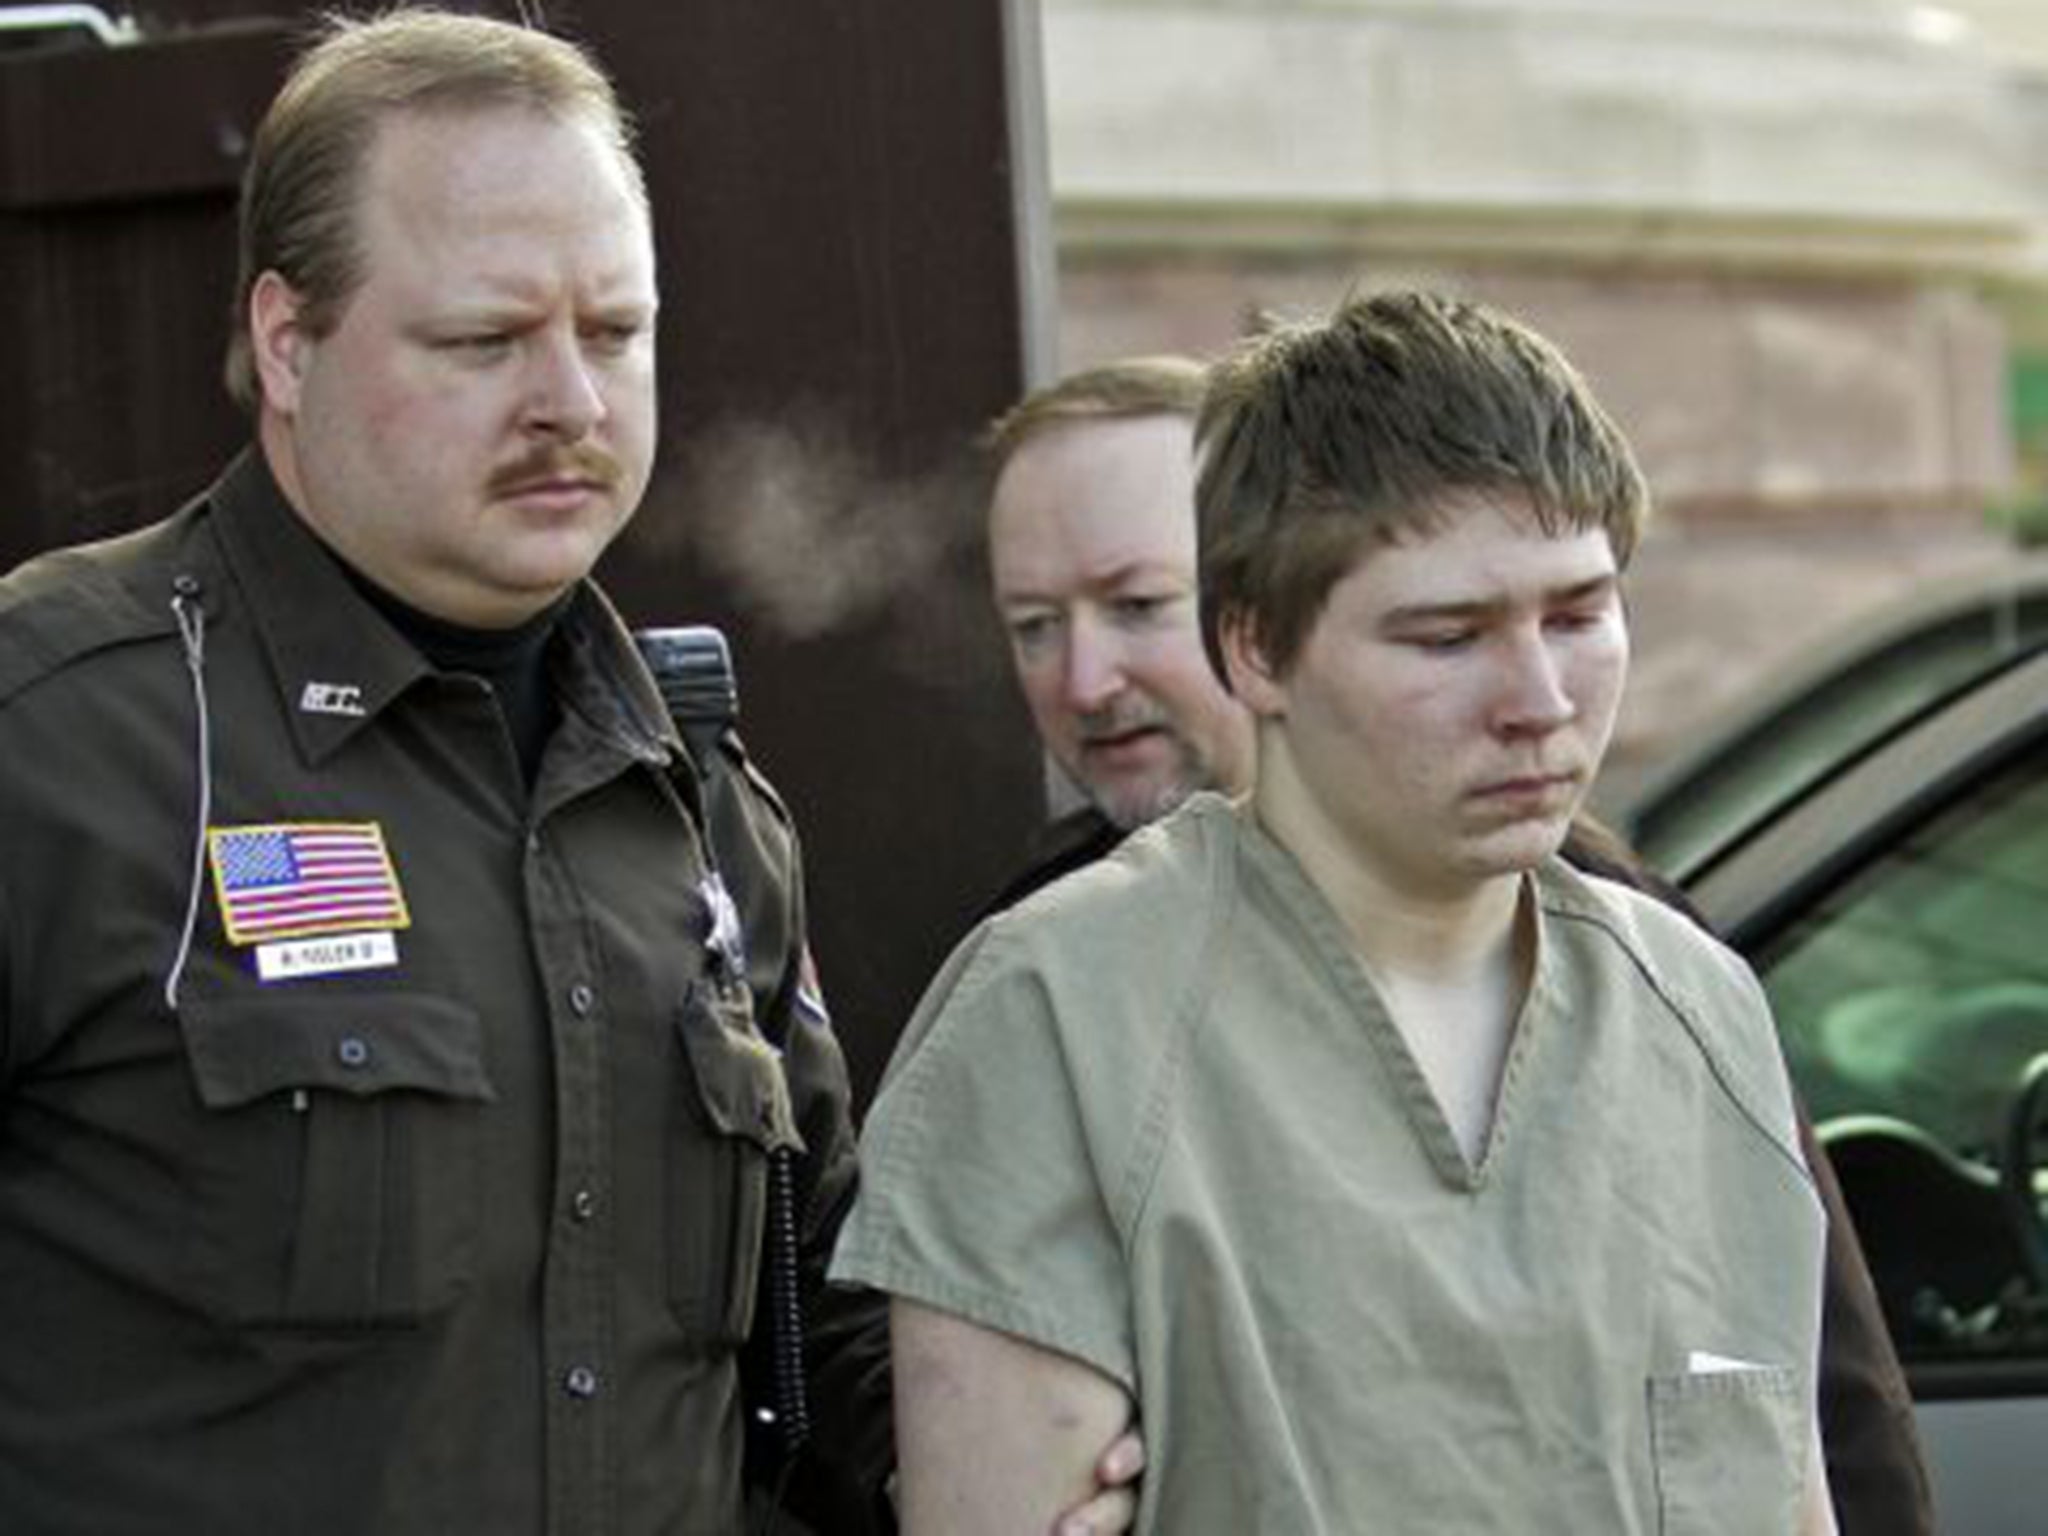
(352, 1051)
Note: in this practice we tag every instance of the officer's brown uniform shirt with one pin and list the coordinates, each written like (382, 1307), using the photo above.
(460, 1241)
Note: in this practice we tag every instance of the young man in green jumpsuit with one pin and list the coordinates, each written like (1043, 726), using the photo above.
(1092, 566)
(1398, 1175)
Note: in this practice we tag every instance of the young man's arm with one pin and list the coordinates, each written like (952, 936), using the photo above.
(995, 1435)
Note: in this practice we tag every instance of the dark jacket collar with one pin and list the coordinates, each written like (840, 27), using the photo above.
(338, 663)
(1073, 842)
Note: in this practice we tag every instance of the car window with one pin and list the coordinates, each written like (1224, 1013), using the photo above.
(1793, 747)
(1911, 1000)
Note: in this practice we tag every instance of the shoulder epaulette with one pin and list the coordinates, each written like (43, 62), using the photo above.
(68, 604)
(736, 753)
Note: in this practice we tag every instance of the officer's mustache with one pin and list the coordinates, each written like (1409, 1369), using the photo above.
(582, 462)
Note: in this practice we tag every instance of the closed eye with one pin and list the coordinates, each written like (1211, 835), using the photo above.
(1141, 607)
(1575, 620)
(1440, 642)
(613, 339)
(1031, 632)
(476, 346)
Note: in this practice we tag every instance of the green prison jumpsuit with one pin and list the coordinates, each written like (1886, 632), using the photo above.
(1156, 1118)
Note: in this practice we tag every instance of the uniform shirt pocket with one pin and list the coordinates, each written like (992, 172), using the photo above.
(734, 1116)
(334, 1175)
(1729, 1451)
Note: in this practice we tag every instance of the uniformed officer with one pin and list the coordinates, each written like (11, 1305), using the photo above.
(390, 1094)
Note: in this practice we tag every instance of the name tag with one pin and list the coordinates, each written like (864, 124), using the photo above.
(289, 961)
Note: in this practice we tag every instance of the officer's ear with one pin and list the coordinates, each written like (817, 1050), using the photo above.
(1254, 680)
(277, 340)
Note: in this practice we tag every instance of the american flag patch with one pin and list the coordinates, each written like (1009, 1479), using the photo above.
(306, 878)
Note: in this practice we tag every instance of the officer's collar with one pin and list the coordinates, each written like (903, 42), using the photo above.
(611, 710)
(336, 661)
(339, 663)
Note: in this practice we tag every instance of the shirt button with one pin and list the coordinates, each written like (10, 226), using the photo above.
(580, 1382)
(580, 999)
(583, 1205)
(352, 1051)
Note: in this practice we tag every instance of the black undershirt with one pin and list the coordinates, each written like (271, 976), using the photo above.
(512, 661)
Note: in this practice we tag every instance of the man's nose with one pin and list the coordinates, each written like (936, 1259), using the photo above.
(1532, 698)
(1094, 665)
(562, 395)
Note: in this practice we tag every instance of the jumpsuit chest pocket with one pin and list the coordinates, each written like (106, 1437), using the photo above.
(733, 1118)
(334, 1169)
(1729, 1449)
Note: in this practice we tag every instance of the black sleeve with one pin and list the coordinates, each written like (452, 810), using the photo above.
(1875, 1468)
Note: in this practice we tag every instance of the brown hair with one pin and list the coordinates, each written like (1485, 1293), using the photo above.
(1136, 386)
(299, 191)
(1317, 440)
